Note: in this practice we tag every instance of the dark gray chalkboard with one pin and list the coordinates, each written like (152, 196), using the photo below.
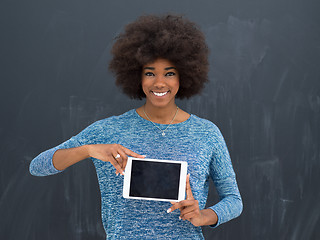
(264, 95)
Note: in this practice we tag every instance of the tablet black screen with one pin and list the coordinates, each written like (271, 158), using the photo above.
(154, 179)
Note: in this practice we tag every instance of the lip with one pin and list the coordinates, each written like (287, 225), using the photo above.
(160, 94)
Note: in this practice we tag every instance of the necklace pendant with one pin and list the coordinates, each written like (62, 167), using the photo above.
(163, 133)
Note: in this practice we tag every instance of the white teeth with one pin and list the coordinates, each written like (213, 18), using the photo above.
(160, 94)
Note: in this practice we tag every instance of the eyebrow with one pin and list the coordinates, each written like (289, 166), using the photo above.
(167, 68)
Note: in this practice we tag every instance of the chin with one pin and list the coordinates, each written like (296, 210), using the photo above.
(159, 103)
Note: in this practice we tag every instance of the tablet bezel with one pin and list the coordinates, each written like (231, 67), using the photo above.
(182, 182)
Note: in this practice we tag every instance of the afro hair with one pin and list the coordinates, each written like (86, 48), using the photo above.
(169, 37)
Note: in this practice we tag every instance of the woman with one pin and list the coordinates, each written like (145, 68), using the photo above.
(159, 58)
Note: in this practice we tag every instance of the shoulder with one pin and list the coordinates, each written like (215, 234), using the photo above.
(203, 123)
(205, 129)
(109, 124)
(102, 129)
(114, 120)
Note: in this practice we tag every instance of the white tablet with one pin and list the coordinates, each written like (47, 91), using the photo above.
(152, 179)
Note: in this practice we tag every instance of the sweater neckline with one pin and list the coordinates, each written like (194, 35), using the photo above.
(160, 124)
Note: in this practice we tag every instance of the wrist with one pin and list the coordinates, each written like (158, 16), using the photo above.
(208, 217)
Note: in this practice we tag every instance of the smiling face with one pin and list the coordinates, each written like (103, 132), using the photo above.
(160, 83)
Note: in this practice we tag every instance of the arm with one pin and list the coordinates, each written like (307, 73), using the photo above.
(189, 210)
(56, 159)
(81, 147)
(42, 165)
(63, 158)
(222, 173)
(230, 205)
(116, 154)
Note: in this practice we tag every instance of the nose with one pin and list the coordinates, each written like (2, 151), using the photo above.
(159, 81)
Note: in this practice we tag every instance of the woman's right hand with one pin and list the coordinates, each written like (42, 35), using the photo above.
(116, 154)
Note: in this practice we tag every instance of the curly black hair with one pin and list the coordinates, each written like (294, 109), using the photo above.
(150, 37)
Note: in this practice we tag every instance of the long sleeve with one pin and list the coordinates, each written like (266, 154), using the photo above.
(42, 164)
(230, 205)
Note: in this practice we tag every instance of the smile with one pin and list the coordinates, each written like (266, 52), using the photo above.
(160, 94)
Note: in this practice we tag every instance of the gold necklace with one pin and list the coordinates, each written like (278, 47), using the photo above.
(163, 131)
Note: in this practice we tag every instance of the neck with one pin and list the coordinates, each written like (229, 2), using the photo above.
(163, 115)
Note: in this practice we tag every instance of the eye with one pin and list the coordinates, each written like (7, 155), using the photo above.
(149, 74)
(169, 74)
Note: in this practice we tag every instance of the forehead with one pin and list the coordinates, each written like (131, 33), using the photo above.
(160, 63)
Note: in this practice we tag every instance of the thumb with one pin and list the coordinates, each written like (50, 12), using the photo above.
(188, 188)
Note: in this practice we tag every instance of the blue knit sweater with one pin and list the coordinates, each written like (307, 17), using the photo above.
(196, 141)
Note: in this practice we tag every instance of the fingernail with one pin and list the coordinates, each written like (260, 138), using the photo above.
(179, 218)
(144, 155)
(169, 210)
(117, 174)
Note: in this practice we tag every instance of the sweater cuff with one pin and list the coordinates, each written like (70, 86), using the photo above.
(43, 165)
(219, 213)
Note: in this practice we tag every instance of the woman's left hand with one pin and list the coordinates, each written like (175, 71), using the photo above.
(189, 208)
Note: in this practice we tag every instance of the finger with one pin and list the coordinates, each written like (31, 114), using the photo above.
(175, 205)
(124, 158)
(188, 188)
(180, 205)
(117, 157)
(132, 154)
(188, 216)
(116, 165)
(188, 209)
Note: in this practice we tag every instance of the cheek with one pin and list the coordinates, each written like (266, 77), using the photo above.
(144, 85)
(177, 85)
